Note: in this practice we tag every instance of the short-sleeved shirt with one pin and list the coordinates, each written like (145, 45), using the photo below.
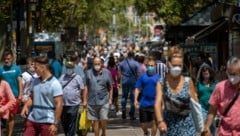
(57, 68)
(220, 98)
(11, 74)
(148, 85)
(204, 93)
(77, 69)
(129, 68)
(98, 86)
(44, 92)
(27, 83)
(72, 89)
(114, 74)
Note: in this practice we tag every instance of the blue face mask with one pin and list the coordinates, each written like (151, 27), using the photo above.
(150, 70)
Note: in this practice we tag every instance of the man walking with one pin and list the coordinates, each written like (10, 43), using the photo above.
(13, 75)
(98, 95)
(44, 106)
(129, 71)
(225, 102)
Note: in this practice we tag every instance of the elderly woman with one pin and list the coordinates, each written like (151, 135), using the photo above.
(7, 101)
(175, 91)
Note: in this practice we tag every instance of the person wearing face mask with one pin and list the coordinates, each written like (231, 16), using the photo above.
(97, 96)
(73, 86)
(225, 102)
(205, 85)
(13, 75)
(146, 84)
(173, 94)
(28, 76)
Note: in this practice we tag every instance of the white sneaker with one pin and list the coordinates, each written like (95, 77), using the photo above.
(119, 113)
(112, 107)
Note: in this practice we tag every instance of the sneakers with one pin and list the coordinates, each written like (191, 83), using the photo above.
(119, 113)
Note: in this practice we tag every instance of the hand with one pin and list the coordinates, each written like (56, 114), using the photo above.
(24, 112)
(206, 132)
(136, 104)
(84, 104)
(20, 98)
(53, 130)
(119, 86)
(162, 127)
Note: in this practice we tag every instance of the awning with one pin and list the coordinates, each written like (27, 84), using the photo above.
(209, 29)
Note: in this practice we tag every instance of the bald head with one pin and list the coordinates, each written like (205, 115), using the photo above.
(97, 64)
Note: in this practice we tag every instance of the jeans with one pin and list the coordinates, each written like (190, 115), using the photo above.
(128, 89)
(69, 119)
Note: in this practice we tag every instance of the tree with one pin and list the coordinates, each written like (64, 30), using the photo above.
(172, 11)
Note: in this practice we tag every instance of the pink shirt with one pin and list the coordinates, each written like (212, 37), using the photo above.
(221, 97)
(7, 99)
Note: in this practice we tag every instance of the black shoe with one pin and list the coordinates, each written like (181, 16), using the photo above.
(123, 114)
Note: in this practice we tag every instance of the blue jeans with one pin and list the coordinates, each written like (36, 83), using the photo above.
(128, 89)
(69, 119)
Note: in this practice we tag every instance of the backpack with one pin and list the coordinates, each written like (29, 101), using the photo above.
(176, 105)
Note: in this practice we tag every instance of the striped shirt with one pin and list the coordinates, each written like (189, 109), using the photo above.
(161, 69)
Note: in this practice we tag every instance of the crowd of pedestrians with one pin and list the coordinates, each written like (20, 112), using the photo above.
(163, 89)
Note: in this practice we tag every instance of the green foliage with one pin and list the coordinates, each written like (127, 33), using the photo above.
(172, 11)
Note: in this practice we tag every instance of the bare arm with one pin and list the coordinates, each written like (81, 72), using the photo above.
(193, 91)
(27, 105)
(20, 87)
(158, 109)
(210, 117)
(110, 94)
(85, 94)
(58, 111)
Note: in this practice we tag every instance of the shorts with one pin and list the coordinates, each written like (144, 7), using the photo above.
(98, 112)
(115, 92)
(146, 114)
(14, 110)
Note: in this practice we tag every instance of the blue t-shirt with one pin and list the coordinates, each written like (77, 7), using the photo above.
(129, 67)
(57, 68)
(44, 92)
(147, 83)
(11, 74)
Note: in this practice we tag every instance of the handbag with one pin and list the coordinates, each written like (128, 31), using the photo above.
(196, 111)
(84, 123)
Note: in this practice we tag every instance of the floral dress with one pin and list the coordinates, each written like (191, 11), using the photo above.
(178, 125)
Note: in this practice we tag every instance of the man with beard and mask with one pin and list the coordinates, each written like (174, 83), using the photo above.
(28, 76)
(13, 75)
(146, 84)
(73, 86)
(225, 102)
(98, 95)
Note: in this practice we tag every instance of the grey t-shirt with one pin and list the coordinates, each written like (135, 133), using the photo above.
(98, 86)
(71, 91)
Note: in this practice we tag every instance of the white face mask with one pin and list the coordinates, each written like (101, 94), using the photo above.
(31, 69)
(234, 79)
(69, 71)
(175, 71)
(97, 67)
